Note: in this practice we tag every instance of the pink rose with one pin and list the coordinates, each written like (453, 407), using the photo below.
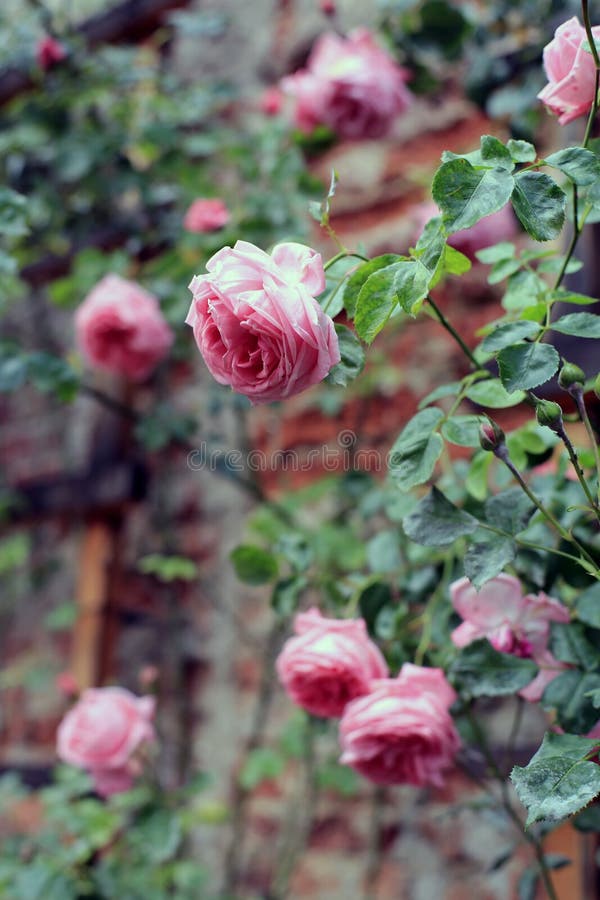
(120, 328)
(271, 101)
(257, 324)
(49, 52)
(499, 226)
(103, 731)
(512, 623)
(328, 663)
(571, 72)
(206, 215)
(66, 684)
(402, 732)
(349, 84)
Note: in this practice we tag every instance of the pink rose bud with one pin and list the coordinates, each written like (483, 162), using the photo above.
(66, 684)
(328, 663)
(492, 229)
(401, 732)
(570, 71)
(256, 321)
(351, 85)
(491, 436)
(102, 732)
(512, 623)
(49, 52)
(271, 101)
(206, 215)
(120, 328)
(328, 7)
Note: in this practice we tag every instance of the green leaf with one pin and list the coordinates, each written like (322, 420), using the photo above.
(581, 166)
(493, 394)
(286, 595)
(169, 568)
(436, 522)
(521, 151)
(262, 764)
(352, 360)
(525, 289)
(569, 643)
(412, 284)
(466, 194)
(481, 671)
(509, 510)
(504, 268)
(494, 153)
(343, 780)
(383, 551)
(505, 335)
(567, 694)
(415, 452)
(496, 253)
(558, 781)
(477, 476)
(376, 302)
(525, 366)
(13, 209)
(539, 204)
(372, 600)
(580, 324)
(486, 559)
(462, 430)
(253, 565)
(569, 297)
(13, 372)
(444, 390)
(588, 819)
(358, 279)
(587, 606)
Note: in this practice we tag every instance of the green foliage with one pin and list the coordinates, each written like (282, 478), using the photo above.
(466, 193)
(253, 564)
(352, 358)
(539, 204)
(262, 764)
(416, 450)
(436, 522)
(168, 568)
(524, 366)
(481, 671)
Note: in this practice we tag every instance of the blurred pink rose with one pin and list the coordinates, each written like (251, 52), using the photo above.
(66, 684)
(328, 663)
(511, 622)
(206, 215)
(402, 732)
(113, 781)
(349, 84)
(257, 324)
(571, 72)
(120, 328)
(499, 226)
(103, 731)
(271, 101)
(49, 52)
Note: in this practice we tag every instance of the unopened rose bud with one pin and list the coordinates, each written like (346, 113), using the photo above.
(570, 376)
(66, 684)
(549, 413)
(491, 436)
(328, 7)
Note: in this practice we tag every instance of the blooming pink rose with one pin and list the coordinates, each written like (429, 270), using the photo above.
(49, 52)
(103, 731)
(328, 663)
(499, 226)
(256, 321)
(271, 101)
(401, 732)
(349, 84)
(571, 72)
(206, 215)
(512, 623)
(120, 328)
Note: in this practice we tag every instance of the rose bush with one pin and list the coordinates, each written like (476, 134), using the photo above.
(120, 328)
(402, 732)
(256, 321)
(328, 663)
(349, 84)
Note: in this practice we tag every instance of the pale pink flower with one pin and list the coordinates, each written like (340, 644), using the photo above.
(513, 623)
(120, 328)
(571, 72)
(328, 663)
(102, 732)
(256, 321)
(271, 101)
(350, 85)
(206, 215)
(401, 732)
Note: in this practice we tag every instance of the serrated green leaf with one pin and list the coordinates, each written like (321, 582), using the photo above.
(521, 151)
(494, 153)
(496, 253)
(466, 194)
(587, 606)
(580, 324)
(462, 430)
(376, 302)
(509, 510)
(568, 695)
(253, 565)
(569, 643)
(481, 671)
(486, 559)
(580, 165)
(493, 394)
(357, 279)
(539, 204)
(436, 522)
(352, 360)
(507, 334)
(412, 284)
(526, 366)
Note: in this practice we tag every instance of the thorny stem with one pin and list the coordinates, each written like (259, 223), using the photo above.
(452, 331)
(508, 807)
(560, 431)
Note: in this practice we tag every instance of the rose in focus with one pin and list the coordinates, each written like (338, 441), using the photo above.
(571, 72)
(401, 732)
(350, 85)
(512, 623)
(256, 321)
(205, 215)
(102, 733)
(329, 663)
(120, 328)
